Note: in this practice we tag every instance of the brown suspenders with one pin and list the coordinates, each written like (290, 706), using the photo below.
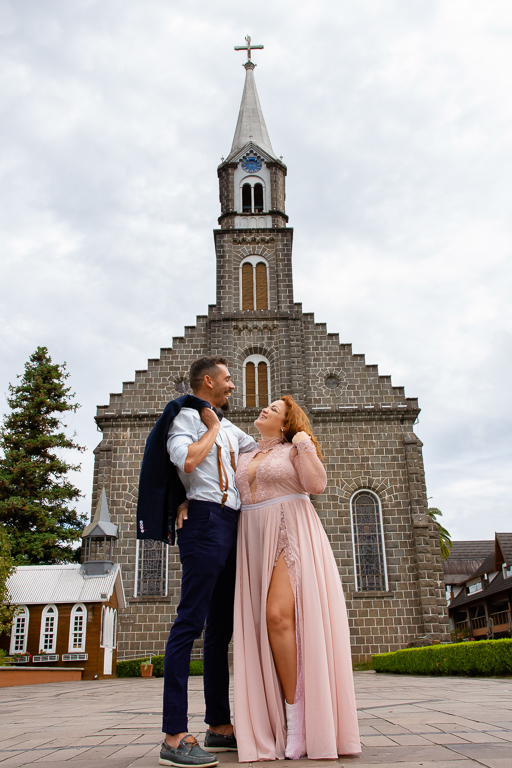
(223, 475)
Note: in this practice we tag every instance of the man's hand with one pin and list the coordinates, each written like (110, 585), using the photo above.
(182, 514)
(209, 418)
(197, 452)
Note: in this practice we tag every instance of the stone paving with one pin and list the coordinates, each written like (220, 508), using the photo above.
(411, 721)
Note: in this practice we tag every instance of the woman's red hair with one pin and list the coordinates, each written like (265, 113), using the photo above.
(295, 421)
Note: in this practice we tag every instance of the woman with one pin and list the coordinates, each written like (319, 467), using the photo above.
(294, 691)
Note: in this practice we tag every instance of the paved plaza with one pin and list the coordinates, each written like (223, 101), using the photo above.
(411, 721)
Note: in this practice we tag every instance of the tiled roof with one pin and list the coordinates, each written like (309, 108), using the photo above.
(498, 584)
(505, 544)
(31, 584)
(486, 567)
(465, 559)
(471, 550)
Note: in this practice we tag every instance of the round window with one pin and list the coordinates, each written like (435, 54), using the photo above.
(332, 382)
(182, 387)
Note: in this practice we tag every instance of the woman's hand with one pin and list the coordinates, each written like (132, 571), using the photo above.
(182, 514)
(300, 437)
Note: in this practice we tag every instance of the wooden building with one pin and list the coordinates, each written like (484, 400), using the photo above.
(68, 613)
(480, 602)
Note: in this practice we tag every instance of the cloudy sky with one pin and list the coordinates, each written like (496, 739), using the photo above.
(394, 118)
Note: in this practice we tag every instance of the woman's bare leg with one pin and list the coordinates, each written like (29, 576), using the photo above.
(281, 628)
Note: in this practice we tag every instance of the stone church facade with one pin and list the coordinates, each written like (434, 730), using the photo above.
(374, 508)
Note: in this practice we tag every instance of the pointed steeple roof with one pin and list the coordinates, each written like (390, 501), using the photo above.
(250, 128)
(100, 525)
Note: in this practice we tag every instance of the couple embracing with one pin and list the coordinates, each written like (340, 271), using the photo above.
(256, 564)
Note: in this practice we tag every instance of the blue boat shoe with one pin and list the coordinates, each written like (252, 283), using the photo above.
(188, 753)
(217, 742)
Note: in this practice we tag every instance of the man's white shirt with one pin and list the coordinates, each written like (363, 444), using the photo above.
(203, 483)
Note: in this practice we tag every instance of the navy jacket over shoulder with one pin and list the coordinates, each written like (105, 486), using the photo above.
(160, 488)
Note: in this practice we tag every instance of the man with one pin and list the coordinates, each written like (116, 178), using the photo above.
(204, 451)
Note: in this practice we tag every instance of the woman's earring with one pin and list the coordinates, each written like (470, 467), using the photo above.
(282, 436)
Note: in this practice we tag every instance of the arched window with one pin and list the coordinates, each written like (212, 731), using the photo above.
(102, 627)
(114, 630)
(77, 629)
(246, 199)
(254, 283)
(368, 541)
(19, 631)
(258, 198)
(256, 382)
(252, 192)
(49, 622)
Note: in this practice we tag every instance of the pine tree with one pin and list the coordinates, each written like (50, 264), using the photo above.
(35, 493)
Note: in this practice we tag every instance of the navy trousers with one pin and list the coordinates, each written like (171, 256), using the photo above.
(207, 545)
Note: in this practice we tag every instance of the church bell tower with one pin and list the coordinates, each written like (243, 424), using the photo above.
(254, 314)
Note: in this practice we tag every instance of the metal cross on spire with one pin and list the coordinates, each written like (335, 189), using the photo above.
(248, 48)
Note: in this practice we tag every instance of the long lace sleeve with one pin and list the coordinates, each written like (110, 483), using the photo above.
(309, 468)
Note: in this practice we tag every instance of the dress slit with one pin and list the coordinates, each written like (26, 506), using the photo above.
(284, 548)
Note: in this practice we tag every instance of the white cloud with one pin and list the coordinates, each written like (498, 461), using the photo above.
(394, 120)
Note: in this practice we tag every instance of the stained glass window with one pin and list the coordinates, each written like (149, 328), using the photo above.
(152, 568)
(369, 555)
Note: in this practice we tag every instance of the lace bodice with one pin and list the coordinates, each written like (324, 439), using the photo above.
(286, 469)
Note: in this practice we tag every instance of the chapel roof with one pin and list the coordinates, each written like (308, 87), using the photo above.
(100, 524)
(35, 584)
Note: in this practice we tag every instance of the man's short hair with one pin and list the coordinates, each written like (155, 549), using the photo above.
(202, 367)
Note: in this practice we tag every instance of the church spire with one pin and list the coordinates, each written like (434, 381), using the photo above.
(251, 123)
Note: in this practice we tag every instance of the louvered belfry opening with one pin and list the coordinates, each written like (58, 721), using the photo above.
(247, 286)
(250, 385)
(256, 382)
(261, 286)
(262, 385)
(254, 286)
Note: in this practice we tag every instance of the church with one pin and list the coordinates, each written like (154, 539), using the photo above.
(374, 508)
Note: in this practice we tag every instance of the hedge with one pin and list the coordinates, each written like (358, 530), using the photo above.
(131, 668)
(482, 658)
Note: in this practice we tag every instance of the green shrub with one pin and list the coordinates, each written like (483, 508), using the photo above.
(3, 662)
(131, 668)
(482, 658)
(196, 667)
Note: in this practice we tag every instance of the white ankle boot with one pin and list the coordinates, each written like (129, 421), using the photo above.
(295, 738)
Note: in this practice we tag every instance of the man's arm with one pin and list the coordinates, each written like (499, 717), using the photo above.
(197, 452)
(245, 442)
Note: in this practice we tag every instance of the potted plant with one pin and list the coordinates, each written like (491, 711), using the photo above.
(21, 658)
(146, 668)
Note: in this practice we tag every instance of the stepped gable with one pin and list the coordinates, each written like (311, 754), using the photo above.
(385, 545)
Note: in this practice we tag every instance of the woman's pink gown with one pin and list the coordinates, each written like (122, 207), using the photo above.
(281, 518)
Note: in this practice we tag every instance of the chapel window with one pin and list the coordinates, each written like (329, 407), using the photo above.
(151, 568)
(256, 382)
(254, 283)
(368, 540)
(49, 622)
(77, 629)
(19, 632)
